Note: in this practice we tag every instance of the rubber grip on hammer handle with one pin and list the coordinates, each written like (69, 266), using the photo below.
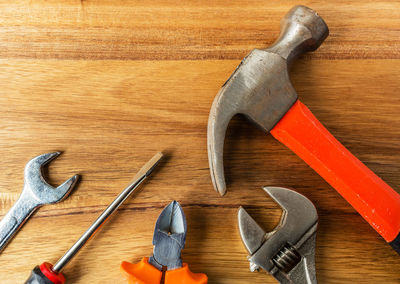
(377, 202)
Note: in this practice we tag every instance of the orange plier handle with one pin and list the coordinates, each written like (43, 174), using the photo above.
(145, 273)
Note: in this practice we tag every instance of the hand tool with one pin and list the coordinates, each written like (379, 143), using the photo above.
(36, 193)
(165, 265)
(46, 273)
(261, 90)
(288, 252)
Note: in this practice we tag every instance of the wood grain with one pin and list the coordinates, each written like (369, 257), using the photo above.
(112, 82)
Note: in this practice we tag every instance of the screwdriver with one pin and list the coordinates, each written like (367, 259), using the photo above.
(46, 273)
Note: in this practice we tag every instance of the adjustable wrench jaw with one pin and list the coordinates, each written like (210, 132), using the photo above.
(288, 251)
(260, 87)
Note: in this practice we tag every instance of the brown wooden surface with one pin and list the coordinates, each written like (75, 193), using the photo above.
(112, 82)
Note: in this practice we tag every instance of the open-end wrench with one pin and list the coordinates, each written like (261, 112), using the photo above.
(288, 252)
(261, 90)
(36, 193)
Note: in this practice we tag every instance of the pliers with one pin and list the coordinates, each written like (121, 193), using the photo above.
(165, 265)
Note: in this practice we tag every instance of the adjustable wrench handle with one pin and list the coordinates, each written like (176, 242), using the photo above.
(16, 217)
(376, 201)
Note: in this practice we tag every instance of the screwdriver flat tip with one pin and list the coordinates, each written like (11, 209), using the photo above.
(148, 168)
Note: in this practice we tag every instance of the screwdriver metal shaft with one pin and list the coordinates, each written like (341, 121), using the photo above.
(48, 274)
(144, 172)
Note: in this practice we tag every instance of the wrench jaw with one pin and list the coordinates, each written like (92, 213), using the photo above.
(36, 192)
(287, 252)
(37, 186)
(251, 233)
(65, 188)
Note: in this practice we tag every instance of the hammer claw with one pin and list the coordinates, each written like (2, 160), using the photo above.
(217, 125)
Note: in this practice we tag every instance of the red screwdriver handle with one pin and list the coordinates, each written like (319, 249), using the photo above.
(377, 202)
(44, 274)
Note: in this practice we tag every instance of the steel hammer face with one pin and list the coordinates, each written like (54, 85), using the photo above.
(260, 89)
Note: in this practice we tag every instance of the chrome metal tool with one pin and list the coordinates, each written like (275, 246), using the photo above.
(288, 252)
(169, 237)
(36, 193)
(46, 273)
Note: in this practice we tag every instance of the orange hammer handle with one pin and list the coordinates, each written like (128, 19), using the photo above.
(377, 202)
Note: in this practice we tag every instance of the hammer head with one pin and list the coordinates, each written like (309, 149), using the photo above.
(260, 87)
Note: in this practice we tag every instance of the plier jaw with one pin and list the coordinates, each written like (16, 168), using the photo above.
(165, 265)
(169, 238)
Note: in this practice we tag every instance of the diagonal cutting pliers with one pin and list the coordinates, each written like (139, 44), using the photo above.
(165, 265)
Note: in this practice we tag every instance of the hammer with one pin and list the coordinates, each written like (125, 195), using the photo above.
(261, 90)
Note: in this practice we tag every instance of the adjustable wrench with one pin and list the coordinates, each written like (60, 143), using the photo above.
(288, 252)
(36, 193)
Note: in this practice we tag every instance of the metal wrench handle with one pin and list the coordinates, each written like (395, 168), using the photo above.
(298, 276)
(16, 217)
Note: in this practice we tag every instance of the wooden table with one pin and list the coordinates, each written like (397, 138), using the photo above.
(110, 83)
